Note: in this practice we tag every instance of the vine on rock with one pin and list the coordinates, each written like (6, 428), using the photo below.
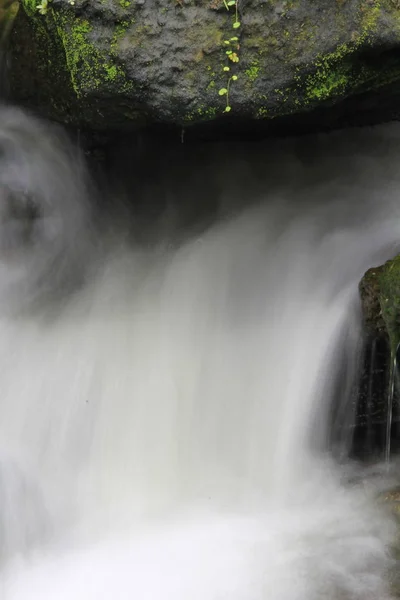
(233, 47)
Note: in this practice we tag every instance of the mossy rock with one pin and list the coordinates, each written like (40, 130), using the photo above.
(105, 64)
(380, 298)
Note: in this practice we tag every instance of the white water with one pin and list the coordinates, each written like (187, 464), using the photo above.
(162, 430)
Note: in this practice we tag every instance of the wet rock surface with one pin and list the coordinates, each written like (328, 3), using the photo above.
(380, 304)
(108, 64)
(380, 300)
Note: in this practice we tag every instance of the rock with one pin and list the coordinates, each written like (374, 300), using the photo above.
(392, 500)
(370, 301)
(108, 64)
(380, 300)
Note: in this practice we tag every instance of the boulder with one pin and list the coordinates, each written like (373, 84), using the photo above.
(380, 303)
(109, 64)
(380, 300)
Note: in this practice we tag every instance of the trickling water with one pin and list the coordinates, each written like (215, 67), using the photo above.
(389, 421)
(370, 399)
(165, 406)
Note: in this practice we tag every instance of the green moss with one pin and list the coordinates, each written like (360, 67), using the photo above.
(29, 6)
(201, 114)
(380, 297)
(112, 71)
(334, 73)
(124, 3)
(389, 299)
(86, 64)
(329, 81)
(253, 71)
(262, 113)
(370, 15)
(119, 32)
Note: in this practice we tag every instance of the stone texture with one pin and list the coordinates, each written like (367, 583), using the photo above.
(380, 298)
(107, 64)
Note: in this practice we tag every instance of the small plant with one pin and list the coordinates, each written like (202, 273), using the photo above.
(225, 92)
(236, 23)
(232, 53)
(43, 7)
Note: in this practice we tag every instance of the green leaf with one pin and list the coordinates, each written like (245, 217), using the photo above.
(228, 52)
(231, 3)
(223, 91)
(227, 69)
(227, 42)
(228, 109)
(234, 39)
(234, 77)
(236, 25)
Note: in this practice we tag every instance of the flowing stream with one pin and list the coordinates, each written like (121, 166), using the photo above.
(166, 404)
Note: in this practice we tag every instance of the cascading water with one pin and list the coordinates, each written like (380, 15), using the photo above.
(389, 423)
(165, 407)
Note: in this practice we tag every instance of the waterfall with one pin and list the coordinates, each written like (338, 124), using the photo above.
(166, 403)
